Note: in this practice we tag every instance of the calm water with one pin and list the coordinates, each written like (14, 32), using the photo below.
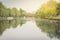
(29, 30)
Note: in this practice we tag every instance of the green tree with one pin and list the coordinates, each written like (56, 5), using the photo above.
(3, 10)
(58, 9)
(22, 12)
(47, 10)
(14, 12)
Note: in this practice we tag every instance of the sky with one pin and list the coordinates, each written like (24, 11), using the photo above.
(28, 5)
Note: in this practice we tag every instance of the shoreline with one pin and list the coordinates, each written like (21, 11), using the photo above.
(11, 18)
(52, 19)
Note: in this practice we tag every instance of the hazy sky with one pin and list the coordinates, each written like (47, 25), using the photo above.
(28, 5)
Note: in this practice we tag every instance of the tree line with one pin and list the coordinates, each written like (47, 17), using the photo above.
(10, 12)
(13, 12)
(51, 9)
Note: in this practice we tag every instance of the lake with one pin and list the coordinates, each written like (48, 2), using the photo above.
(20, 29)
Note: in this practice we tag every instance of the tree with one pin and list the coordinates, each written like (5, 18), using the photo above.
(22, 12)
(3, 10)
(47, 10)
(7, 12)
(58, 9)
(14, 12)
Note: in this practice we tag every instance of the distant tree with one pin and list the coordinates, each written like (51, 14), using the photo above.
(22, 12)
(14, 12)
(7, 12)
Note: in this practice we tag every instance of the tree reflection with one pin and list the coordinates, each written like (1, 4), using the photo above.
(52, 28)
(58, 29)
(4, 24)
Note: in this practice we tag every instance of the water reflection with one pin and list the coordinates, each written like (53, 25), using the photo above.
(52, 28)
(29, 29)
(5, 24)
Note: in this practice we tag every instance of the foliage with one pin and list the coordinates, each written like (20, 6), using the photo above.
(58, 9)
(49, 10)
(13, 12)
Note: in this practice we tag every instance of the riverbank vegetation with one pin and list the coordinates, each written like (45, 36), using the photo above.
(12, 12)
(51, 9)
